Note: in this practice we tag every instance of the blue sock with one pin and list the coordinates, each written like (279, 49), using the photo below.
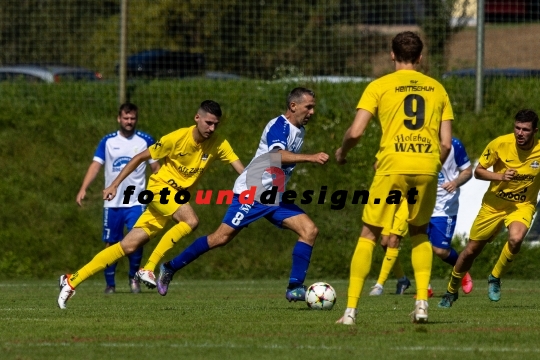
(192, 252)
(300, 261)
(109, 273)
(135, 262)
(452, 258)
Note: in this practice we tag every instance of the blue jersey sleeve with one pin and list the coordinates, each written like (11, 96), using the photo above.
(460, 155)
(278, 134)
(149, 139)
(100, 151)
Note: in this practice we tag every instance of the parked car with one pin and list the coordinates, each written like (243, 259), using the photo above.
(159, 63)
(510, 73)
(47, 73)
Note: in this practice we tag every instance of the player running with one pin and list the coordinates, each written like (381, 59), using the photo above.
(186, 154)
(271, 168)
(510, 200)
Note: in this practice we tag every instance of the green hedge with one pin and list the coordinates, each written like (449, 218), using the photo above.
(49, 133)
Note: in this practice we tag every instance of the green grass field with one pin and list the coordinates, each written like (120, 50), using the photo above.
(252, 320)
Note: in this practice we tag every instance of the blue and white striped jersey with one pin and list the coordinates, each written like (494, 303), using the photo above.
(279, 133)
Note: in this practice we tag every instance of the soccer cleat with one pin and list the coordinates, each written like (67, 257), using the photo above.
(163, 280)
(110, 290)
(296, 294)
(402, 284)
(467, 283)
(420, 313)
(376, 290)
(134, 285)
(66, 291)
(147, 277)
(448, 299)
(494, 288)
(349, 318)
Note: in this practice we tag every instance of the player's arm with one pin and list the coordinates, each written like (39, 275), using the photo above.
(353, 134)
(288, 157)
(155, 166)
(238, 166)
(90, 176)
(445, 138)
(110, 192)
(464, 176)
(482, 173)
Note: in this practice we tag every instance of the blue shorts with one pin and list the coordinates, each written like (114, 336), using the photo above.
(441, 231)
(114, 220)
(239, 216)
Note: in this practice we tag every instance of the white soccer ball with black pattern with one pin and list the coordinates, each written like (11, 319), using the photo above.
(321, 296)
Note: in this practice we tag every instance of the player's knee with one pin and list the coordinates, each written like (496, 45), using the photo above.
(192, 222)
(514, 243)
(215, 240)
(310, 233)
(441, 253)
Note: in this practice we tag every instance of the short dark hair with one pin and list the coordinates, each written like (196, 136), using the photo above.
(127, 108)
(527, 115)
(296, 95)
(212, 107)
(407, 47)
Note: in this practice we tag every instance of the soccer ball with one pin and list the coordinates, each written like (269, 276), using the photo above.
(321, 296)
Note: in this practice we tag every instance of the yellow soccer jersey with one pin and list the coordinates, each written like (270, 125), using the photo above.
(410, 107)
(503, 153)
(185, 160)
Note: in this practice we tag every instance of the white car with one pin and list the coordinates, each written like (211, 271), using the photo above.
(48, 74)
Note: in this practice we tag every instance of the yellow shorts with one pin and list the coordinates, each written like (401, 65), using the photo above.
(489, 221)
(386, 215)
(157, 214)
(400, 226)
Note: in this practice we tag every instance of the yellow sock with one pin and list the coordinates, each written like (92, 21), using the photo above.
(398, 270)
(360, 266)
(166, 243)
(388, 263)
(504, 262)
(104, 258)
(421, 258)
(455, 281)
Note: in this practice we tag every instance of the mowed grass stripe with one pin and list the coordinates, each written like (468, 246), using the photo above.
(252, 320)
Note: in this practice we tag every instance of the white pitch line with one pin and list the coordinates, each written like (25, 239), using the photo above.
(466, 349)
(183, 345)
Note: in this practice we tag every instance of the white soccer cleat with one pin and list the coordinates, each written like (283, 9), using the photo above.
(147, 277)
(349, 318)
(376, 290)
(66, 291)
(420, 313)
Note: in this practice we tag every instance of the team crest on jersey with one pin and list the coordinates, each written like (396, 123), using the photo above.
(205, 157)
(535, 164)
(119, 163)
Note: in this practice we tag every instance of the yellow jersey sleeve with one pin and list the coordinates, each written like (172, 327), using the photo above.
(448, 113)
(226, 152)
(490, 154)
(370, 99)
(164, 146)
